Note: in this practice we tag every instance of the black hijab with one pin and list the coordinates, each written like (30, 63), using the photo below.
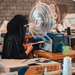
(16, 26)
(14, 38)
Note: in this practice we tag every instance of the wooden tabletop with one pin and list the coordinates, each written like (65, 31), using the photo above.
(54, 56)
(65, 33)
(28, 36)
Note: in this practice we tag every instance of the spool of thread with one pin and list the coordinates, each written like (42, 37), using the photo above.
(68, 31)
(67, 66)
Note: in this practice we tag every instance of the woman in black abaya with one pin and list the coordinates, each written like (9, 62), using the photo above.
(13, 41)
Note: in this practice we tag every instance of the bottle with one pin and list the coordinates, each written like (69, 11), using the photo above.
(68, 31)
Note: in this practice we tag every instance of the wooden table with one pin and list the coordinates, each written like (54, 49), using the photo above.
(28, 36)
(54, 56)
(65, 34)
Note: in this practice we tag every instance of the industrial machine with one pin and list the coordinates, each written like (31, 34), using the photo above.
(55, 45)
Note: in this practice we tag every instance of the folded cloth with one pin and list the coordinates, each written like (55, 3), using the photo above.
(3, 28)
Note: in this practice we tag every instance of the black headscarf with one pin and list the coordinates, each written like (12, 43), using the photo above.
(13, 40)
(16, 26)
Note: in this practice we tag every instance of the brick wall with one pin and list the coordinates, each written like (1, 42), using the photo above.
(8, 8)
(70, 5)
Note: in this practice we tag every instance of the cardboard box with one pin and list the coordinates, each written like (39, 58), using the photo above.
(11, 65)
(29, 66)
(38, 69)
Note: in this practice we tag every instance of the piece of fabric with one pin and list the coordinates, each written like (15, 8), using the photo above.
(3, 28)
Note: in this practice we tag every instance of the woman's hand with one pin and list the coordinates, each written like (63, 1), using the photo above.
(25, 46)
(29, 48)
